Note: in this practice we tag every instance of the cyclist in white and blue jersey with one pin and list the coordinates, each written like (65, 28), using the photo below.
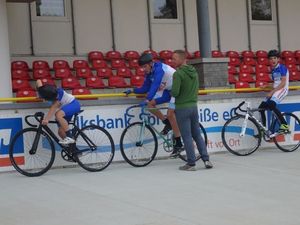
(158, 86)
(280, 77)
(64, 106)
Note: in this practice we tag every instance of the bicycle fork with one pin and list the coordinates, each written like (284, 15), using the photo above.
(141, 136)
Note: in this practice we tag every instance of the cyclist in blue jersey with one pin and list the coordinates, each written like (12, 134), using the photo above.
(63, 106)
(280, 77)
(158, 85)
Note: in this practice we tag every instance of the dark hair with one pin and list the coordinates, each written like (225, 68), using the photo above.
(273, 53)
(47, 92)
(181, 53)
(145, 58)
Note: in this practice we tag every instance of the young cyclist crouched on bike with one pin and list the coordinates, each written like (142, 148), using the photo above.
(280, 77)
(64, 106)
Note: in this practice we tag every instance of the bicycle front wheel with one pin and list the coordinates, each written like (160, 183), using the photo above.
(238, 141)
(31, 152)
(203, 133)
(138, 144)
(95, 148)
(291, 141)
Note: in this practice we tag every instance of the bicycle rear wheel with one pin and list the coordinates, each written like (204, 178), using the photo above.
(203, 133)
(95, 148)
(291, 141)
(28, 160)
(138, 144)
(237, 144)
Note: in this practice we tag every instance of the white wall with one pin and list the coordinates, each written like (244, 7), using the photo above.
(191, 25)
(289, 24)
(131, 33)
(92, 25)
(233, 25)
(19, 28)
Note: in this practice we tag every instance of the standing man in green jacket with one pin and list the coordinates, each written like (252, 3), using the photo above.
(185, 90)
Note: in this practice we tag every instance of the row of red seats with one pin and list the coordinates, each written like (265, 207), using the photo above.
(261, 61)
(260, 77)
(91, 82)
(80, 73)
(258, 54)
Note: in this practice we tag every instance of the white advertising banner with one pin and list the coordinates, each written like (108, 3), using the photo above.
(212, 114)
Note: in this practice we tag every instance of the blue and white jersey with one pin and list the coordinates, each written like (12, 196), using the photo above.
(63, 97)
(160, 79)
(277, 73)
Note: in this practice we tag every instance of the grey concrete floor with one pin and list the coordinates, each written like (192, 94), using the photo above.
(260, 189)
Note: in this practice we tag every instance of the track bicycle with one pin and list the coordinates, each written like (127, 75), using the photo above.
(139, 140)
(243, 133)
(93, 150)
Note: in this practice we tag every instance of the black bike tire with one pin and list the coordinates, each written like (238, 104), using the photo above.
(203, 131)
(282, 148)
(106, 133)
(225, 142)
(123, 150)
(14, 163)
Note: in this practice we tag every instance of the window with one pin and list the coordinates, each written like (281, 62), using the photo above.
(261, 10)
(55, 8)
(165, 9)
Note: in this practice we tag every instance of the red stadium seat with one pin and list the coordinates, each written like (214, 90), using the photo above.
(297, 54)
(117, 82)
(137, 81)
(234, 61)
(197, 54)
(99, 63)
(232, 54)
(260, 84)
(40, 65)
(48, 81)
(248, 54)
(117, 63)
(154, 53)
(286, 53)
(231, 79)
(70, 83)
(166, 54)
(19, 65)
(104, 72)
(27, 93)
(265, 77)
(84, 73)
(20, 74)
(62, 73)
(263, 61)
(20, 85)
(189, 55)
(249, 61)
(290, 60)
(79, 64)
(217, 54)
(113, 55)
(60, 64)
(95, 83)
(259, 68)
(95, 55)
(129, 55)
(133, 64)
(291, 67)
(261, 54)
(124, 72)
(294, 76)
(82, 91)
(246, 77)
(241, 84)
(139, 71)
(246, 69)
(232, 70)
(41, 73)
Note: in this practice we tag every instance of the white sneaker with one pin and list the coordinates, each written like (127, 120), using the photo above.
(67, 141)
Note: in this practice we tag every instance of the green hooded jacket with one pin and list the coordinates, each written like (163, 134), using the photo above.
(185, 87)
